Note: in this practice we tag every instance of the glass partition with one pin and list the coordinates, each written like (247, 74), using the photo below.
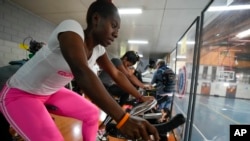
(184, 63)
(172, 60)
(223, 79)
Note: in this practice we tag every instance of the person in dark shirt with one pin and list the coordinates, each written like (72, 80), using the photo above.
(164, 78)
(123, 64)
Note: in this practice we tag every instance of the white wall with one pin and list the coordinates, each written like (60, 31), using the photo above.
(9, 51)
(16, 24)
(219, 87)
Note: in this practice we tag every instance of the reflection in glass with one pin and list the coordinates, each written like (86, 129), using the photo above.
(222, 94)
(184, 70)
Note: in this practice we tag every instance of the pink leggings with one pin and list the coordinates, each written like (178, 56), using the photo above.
(28, 115)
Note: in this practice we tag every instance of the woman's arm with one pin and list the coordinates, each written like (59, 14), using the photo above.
(120, 79)
(132, 78)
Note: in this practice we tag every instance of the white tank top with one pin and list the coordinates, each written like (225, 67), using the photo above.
(47, 71)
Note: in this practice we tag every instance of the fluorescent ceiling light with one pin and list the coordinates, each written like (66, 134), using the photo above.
(130, 11)
(137, 42)
(226, 8)
(226, 84)
(140, 55)
(243, 34)
(181, 57)
(188, 42)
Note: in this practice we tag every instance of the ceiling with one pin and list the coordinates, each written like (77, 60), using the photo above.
(162, 22)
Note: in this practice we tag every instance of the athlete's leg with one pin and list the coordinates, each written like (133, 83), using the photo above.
(28, 116)
(71, 104)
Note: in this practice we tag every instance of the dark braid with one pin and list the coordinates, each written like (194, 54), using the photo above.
(103, 7)
(132, 56)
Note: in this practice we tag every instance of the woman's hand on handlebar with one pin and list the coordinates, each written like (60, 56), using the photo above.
(138, 128)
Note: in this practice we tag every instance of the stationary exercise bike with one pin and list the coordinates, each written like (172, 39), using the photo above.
(143, 110)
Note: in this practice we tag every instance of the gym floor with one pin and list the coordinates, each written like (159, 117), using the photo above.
(214, 115)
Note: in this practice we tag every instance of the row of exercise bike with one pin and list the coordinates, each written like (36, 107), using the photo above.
(162, 120)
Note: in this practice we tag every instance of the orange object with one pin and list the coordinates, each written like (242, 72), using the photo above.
(122, 121)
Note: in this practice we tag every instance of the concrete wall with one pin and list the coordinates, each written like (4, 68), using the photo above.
(16, 24)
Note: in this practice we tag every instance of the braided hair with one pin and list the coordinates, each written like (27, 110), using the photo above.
(103, 7)
(132, 56)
